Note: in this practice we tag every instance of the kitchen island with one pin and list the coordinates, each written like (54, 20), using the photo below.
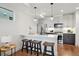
(43, 38)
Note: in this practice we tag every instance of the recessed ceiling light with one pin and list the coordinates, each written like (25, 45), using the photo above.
(77, 8)
(42, 16)
(62, 10)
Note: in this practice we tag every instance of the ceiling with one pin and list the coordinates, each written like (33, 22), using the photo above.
(45, 8)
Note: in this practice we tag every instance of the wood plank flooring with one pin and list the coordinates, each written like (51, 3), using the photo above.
(68, 50)
(65, 50)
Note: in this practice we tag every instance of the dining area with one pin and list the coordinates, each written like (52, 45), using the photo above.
(9, 47)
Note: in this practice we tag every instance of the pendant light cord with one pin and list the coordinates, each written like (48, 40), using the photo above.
(51, 9)
(35, 11)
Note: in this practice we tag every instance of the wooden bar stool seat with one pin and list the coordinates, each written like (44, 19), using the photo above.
(48, 44)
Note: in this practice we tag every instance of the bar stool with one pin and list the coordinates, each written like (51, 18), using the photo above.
(13, 47)
(36, 46)
(26, 44)
(48, 44)
(8, 47)
(59, 39)
(4, 50)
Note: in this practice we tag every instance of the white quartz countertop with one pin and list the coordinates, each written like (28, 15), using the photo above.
(42, 36)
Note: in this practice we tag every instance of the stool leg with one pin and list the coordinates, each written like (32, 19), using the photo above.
(37, 50)
(27, 46)
(31, 48)
(52, 51)
(30, 45)
(11, 51)
(15, 51)
(22, 46)
(34, 47)
(40, 49)
(4, 53)
(0, 52)
(44, 50)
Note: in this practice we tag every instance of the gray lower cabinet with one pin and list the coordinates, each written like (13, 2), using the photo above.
(69, 39)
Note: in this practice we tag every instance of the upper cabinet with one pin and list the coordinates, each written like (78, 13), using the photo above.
(69, 20)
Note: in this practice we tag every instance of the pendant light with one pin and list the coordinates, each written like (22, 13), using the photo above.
(51, 11)
(35, 19)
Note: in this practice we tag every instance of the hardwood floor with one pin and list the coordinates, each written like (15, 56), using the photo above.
(24, 53)
(68, 50)
(65, 50)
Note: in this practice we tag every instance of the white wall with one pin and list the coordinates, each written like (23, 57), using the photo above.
(77, 27)
(23, 20)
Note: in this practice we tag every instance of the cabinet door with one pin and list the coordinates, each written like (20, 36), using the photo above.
(69, 39)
